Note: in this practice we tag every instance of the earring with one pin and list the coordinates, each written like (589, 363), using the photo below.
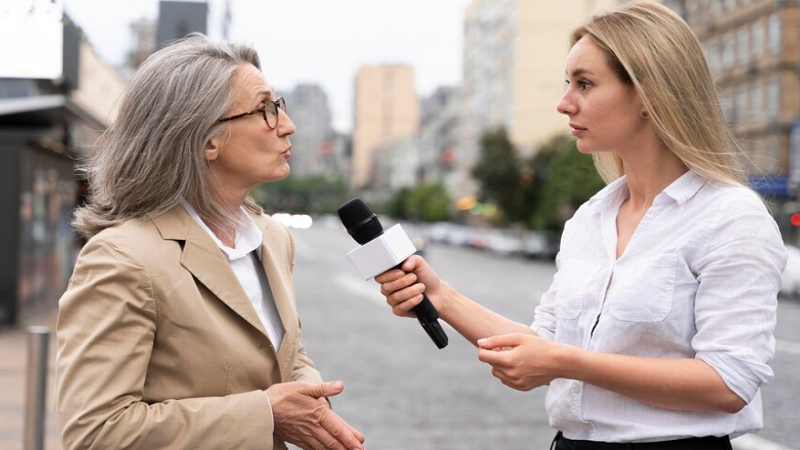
(645, 115)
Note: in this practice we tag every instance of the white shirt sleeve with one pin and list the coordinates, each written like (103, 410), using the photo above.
(739, 271)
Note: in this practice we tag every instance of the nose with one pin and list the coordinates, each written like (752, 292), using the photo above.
(565, 105)
(285, 125)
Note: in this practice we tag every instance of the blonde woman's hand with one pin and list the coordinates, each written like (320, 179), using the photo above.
(403, 288)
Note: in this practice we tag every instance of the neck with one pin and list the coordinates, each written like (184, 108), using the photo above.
(231, 204)
(650, 173)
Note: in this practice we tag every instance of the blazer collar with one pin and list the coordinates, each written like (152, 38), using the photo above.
(204, 259)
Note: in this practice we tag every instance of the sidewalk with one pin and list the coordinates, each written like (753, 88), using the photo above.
(13, 378)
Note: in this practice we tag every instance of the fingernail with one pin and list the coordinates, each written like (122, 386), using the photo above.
(413, 277)
(481, 341)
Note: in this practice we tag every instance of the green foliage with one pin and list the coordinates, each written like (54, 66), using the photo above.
(570, 180)
(427, 202)
(499, 175)
(542, 191)
(313, 195)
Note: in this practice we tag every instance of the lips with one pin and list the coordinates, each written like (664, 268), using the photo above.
(576, 127)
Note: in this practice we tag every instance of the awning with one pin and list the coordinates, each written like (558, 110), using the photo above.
(43, 111)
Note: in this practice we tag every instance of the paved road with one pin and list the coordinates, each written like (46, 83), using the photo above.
(403, 393)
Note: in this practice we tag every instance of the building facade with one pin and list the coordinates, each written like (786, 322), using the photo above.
(514, 55)
(386, 109)
(753, 51)
(438, 136)
(45, 125)
(308, 107)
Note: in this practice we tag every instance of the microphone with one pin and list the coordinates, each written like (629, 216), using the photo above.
(363, 225)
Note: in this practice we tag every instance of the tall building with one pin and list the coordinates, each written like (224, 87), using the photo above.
(753, 51)
(387, 109)
(143, 36)
(307, 105)
(438, 136)
(176, 19)
(514, 56)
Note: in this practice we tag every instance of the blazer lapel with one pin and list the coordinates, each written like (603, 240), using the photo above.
(205, 261)
(282, 292)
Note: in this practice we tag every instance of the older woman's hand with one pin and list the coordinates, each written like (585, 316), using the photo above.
(303, 420)
(403, 288)
(521, 361)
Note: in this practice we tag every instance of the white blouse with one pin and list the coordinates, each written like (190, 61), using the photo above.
(245, 261)
(698, 279)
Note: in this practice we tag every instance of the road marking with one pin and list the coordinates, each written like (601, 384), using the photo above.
(754, 442)
(788, 347)
(360, 288)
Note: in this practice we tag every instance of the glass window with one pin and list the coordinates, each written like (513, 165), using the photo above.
(727, 108)
(757, 36)
(755, 101)
(773, 105)
(774, 30)
(742, 46)
(727, 52)
(729, 5)
(741, 104)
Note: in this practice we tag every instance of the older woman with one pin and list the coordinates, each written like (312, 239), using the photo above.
(179, 327)
(656, 332)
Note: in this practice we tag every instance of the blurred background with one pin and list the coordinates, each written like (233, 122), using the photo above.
(440, 114)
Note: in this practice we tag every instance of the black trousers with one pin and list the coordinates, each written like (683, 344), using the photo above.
(702, 443)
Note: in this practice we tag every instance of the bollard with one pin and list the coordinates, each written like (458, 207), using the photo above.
(36, 388)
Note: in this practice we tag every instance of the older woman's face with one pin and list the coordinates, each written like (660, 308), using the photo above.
(604, 113)
(251, 153)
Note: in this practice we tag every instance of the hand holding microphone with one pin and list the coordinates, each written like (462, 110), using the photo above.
(380, 252)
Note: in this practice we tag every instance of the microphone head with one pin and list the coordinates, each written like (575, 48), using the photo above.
(360, 221)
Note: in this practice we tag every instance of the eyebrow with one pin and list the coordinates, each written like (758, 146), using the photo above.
(267, 94)
(579, 72)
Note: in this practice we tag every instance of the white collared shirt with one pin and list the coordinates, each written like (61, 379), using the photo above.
(699, 279)
(244, 259)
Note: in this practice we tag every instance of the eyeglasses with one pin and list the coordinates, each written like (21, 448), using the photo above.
(269, 110)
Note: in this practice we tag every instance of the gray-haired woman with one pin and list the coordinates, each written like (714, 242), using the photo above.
(179, 328)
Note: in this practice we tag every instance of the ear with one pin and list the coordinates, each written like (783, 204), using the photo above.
(212, 149)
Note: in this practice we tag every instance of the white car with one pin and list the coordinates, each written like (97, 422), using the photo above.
(791, 274)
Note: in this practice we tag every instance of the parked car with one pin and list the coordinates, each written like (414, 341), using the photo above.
(503, 242)
(540, 245)
(791, 274)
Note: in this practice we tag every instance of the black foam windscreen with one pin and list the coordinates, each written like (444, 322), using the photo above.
(361, 223)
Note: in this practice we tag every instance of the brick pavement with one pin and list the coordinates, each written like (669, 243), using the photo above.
(13, 368)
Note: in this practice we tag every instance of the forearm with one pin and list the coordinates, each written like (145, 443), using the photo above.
(677, 384)
(472, 320)
(195, 422)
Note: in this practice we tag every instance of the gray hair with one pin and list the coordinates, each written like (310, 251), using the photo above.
(153, 153)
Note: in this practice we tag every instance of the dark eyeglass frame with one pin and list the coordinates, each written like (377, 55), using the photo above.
(280, 103)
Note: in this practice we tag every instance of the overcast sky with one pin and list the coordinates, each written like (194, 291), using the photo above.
(312, 41)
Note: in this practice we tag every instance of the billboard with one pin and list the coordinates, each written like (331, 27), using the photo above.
(31, 39)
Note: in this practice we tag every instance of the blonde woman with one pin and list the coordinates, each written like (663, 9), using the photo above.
(657, 328)
(179, 328)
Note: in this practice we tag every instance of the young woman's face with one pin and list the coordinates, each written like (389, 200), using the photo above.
(604, 113)
(251, 152)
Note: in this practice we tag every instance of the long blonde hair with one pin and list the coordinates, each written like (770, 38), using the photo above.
(153, 154)
(655, 51)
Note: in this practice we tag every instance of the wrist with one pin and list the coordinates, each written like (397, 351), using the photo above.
(568, 361)
(444, 299)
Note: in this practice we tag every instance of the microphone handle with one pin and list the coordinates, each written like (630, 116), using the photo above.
(428, 317)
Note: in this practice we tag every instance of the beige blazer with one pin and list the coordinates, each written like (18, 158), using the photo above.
(159, 346)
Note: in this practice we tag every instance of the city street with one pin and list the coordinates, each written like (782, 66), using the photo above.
(403, 393)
